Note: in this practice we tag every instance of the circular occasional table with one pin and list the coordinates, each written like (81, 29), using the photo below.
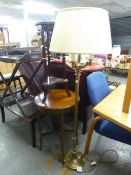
(57, 103)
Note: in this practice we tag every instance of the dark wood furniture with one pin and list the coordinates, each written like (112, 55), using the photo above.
(45, 29)
(84, 111)
(56, 69)
(57, 103)
(20, 102)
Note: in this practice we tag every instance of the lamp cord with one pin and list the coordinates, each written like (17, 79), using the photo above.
(90, 163)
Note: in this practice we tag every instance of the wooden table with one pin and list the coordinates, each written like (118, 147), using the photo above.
(110, 108)
(57, 103)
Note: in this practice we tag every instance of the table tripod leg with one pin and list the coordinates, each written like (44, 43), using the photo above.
(33, 134)
(62, 137)
(40, 131)
(3, 114)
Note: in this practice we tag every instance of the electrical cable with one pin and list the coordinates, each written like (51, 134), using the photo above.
(108, 162)
(93, 160)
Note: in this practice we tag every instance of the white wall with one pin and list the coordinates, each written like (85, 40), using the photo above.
(18, 30)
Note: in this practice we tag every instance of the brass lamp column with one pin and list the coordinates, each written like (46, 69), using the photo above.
(74, 157)
(80, 30)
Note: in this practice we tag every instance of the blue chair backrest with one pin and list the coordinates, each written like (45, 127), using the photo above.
(97, 87)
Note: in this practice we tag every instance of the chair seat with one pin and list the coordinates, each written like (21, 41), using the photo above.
(113, 131)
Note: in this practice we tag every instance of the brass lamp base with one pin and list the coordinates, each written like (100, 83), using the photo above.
(74, 160)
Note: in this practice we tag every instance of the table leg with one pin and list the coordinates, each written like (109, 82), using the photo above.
(62, 136)
(39, 127)
(33, 134)
(3, 114)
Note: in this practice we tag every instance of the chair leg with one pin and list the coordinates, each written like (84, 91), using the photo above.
(62, 137)
(67, 90)
(89, 135)
(20, 83)
(33, 134)
(3, 114)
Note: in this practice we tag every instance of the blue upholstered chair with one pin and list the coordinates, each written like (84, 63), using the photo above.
(98, 89)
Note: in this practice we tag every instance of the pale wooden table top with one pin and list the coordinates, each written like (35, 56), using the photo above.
(110, 108)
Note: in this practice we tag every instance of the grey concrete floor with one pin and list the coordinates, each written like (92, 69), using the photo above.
(17, 157)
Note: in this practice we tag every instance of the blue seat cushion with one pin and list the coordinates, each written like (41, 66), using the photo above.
(113, 131)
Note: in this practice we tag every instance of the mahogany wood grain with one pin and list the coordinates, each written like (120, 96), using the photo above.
(57, 103)
(57, 99)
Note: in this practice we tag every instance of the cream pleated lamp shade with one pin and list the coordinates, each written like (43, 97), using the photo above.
(82, 30)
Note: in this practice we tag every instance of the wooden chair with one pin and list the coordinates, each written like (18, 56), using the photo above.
(50, 81)
(20, 102)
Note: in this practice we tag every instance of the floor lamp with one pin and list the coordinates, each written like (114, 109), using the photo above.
(80, 30)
